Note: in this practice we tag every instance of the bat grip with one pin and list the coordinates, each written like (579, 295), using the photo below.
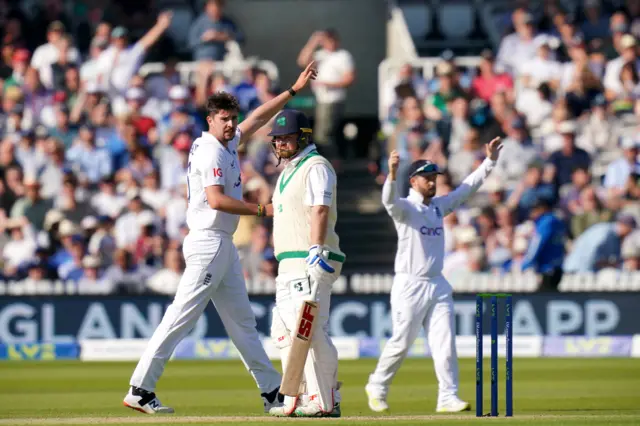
(314, 290)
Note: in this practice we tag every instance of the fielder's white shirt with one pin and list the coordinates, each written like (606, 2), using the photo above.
(211, 163)
(420, 229)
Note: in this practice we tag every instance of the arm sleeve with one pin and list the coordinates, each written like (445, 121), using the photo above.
(468, 187)
(213, 169)
(321, 183)
(395, 206)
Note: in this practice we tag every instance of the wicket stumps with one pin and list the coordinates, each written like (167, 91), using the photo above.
(508, 308)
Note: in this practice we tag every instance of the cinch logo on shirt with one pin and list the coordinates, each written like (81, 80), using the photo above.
(217, 172)
(431, 232)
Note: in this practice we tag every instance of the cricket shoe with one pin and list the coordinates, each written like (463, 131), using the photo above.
(285, 410)
(454, 405)
(145, 402)
(379, 405)
(313, 409)
(273, 399)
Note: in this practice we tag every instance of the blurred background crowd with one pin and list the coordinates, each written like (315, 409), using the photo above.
(563, 92)
(93, 150)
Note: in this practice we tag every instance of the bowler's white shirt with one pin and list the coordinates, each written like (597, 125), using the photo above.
(420, 229)
(211, 163)
(332, 67)
(320, 180)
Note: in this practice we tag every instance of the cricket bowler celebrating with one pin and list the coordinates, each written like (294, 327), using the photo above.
(213, 271)
(307, 247)
(420, 295)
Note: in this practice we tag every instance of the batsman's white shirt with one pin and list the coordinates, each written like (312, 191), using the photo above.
(420, 296)
(213, 272)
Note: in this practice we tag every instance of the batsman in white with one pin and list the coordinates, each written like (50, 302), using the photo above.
(420, 296)
(307, 247)
(213, 271)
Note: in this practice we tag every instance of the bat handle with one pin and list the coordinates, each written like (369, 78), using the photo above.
(314, 290)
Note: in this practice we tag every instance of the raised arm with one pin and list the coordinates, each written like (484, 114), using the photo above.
(261, 115)
(470, 185)
(154, 34)
(306, 54)
(395, 206)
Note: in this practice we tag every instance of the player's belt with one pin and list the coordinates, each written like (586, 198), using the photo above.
(303, 254)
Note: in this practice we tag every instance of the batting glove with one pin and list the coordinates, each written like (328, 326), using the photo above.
(318, 258)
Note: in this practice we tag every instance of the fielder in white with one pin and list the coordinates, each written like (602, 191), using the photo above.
(213, 271)
(420, 296)
(307, 247)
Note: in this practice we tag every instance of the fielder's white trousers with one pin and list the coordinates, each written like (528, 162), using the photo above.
(213, 273)
(321, 368)
(415, 304)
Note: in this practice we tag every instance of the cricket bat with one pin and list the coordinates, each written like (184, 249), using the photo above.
(292, 377)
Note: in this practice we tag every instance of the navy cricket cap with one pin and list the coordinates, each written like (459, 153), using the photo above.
(288, 122)
(423, 167)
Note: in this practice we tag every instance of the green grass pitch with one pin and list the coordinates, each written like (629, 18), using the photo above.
(546, 391)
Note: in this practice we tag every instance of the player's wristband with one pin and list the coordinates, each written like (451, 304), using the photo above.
(292, 92)
(261, 210)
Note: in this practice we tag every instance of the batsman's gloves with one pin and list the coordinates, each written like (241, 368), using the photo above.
(317, 258)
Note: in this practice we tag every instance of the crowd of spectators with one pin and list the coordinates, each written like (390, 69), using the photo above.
(93, 152)
(563, 92)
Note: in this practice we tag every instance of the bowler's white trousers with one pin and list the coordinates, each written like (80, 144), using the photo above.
(418, 303)
(213, 273)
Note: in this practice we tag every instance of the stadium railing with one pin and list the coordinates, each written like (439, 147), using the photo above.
(607, 280)
(233, 69)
